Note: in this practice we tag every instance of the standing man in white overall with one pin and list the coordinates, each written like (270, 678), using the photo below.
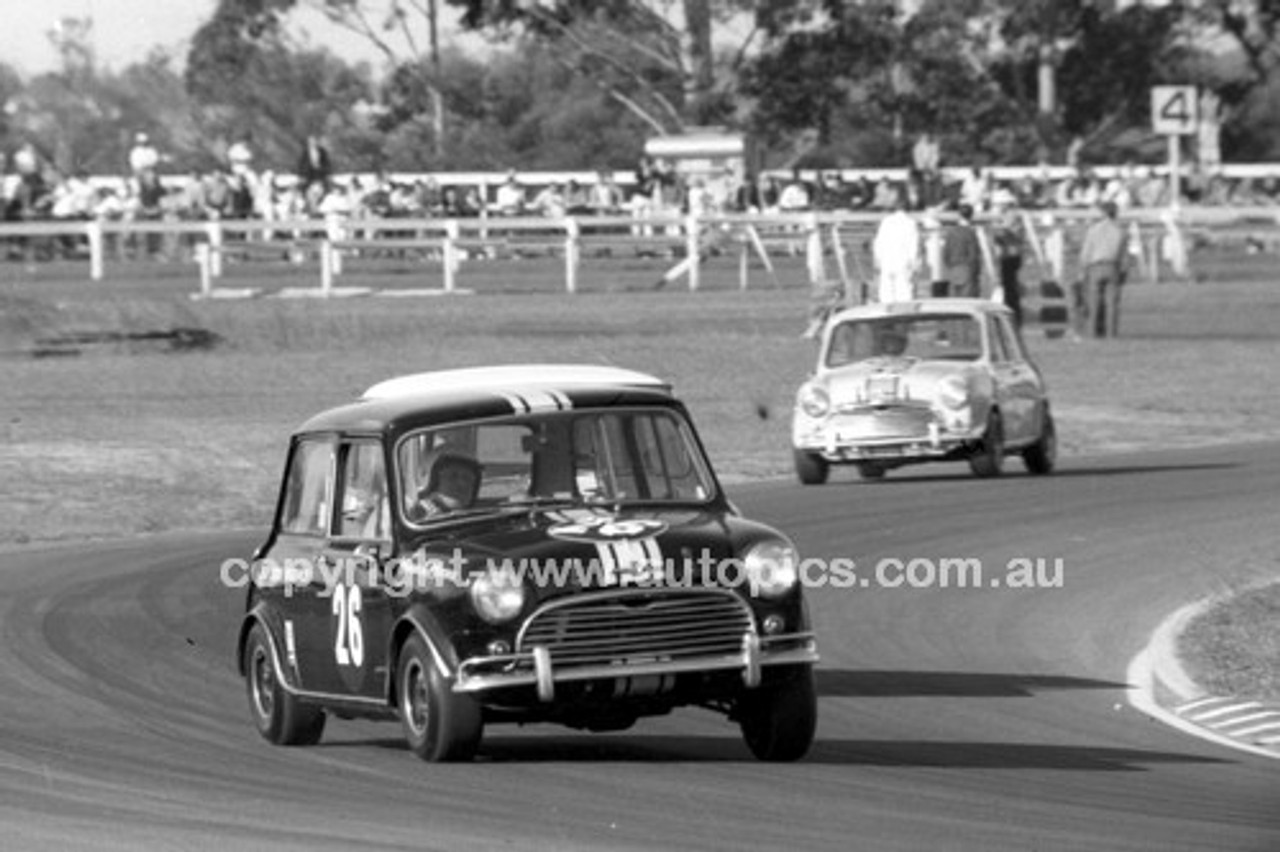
(896, 250)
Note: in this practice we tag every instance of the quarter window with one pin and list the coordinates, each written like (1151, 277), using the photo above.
(309, 489)
(999, 354)
(1012, 344)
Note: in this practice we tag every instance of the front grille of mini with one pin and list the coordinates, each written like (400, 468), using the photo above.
(639, 626)
(885, 421)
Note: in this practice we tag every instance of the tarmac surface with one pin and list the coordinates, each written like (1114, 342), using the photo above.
(986, 717)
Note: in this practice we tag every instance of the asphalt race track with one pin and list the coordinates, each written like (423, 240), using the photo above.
(989, 718)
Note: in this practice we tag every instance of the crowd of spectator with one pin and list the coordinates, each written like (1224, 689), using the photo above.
(30, 188)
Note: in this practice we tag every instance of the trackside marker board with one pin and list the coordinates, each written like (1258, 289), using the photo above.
(1173, 110)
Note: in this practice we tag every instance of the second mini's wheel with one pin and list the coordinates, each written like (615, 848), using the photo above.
(988, 461)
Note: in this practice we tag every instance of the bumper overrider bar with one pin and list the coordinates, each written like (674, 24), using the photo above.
(891, 450)
(537, 667)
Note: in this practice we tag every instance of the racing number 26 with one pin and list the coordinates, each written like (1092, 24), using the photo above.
(348, 641)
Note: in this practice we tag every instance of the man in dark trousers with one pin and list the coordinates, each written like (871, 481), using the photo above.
(315, 170)
(962, 257)
(1102, 259)
(1010, 243)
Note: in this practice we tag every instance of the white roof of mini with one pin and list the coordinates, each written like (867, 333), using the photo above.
(919, 306)
(511, 377)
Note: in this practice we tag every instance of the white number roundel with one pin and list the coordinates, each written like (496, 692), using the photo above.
(348, 634)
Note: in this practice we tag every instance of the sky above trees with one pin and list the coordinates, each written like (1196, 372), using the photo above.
(126, 31)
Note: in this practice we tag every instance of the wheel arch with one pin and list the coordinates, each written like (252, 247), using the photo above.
(262, 615)
(418, 621)
(254, 616)
(983, 420)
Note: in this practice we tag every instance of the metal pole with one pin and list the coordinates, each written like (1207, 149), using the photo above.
(571, 255)
(693, 247)
(94, 232)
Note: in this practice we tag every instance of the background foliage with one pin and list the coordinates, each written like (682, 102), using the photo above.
(577, 84)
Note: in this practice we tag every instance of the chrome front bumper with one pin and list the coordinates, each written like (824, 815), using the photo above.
(889, 449)
(932, 443)
(537, 666)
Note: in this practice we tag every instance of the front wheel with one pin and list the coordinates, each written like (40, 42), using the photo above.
(779, 718)
(439, 724)
(279, 717)
(811, 469)
(1041, 456)
(989, 459)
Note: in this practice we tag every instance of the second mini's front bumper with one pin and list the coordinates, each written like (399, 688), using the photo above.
(935, 444)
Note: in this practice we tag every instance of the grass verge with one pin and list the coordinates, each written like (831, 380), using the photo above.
(130, 437)
(1234, 647)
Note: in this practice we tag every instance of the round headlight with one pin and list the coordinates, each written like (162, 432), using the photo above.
(953, 392)
(814, 401)
(771, 568)
(497, 596)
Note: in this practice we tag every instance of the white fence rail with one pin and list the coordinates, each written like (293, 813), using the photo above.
(824, 239)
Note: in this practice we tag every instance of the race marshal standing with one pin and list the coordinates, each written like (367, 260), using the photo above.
(962, 256)
(896, 249)
(1102, 261)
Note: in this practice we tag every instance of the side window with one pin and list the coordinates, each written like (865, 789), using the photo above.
(999, 354)
(309, 489)
(1012, 343)
(366, 508)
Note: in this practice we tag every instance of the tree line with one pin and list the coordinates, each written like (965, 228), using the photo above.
(579, 84)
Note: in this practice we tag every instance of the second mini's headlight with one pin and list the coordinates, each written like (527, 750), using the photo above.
(814, 401)
(771, 568)
(497, 596)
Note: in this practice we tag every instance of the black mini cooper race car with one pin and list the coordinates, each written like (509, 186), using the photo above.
(519, 544)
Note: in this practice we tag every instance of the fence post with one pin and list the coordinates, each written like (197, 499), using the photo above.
(571, 254)
(1137, 250)
(449, 254)
(93, 230)
(214, 230)
(837, 249)
(1055, 250)
(206, 276)
(484, 209)
(989, 264)
(813, 251)
(692, 234)
(326, 267)
(334, 233)
(1175, 245)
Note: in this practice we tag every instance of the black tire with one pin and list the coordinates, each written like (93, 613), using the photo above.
(811, 469)
(439, 724)
(1041, 456)
(871, 470)
(779, 717)
(280, 717)
(988, 460)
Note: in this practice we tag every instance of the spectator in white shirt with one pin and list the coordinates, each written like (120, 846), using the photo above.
(795, 195)
(143, 156)
(510, 197)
